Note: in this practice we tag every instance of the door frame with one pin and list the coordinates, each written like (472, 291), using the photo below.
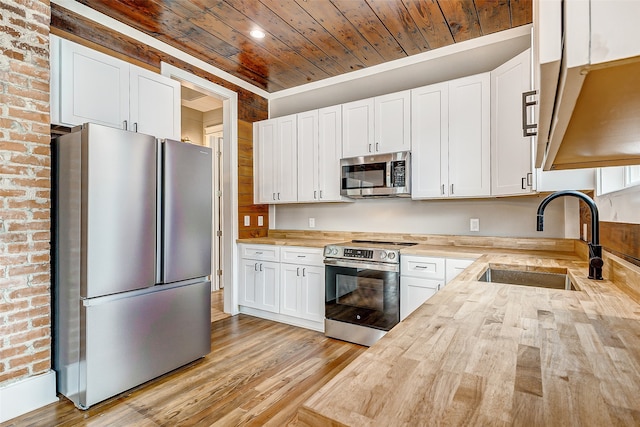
(230, 175)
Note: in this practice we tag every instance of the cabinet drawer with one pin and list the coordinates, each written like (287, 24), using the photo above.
(422, 267)
(260, 252)
(299, 255)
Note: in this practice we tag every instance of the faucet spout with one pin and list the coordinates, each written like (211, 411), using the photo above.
(595, 250)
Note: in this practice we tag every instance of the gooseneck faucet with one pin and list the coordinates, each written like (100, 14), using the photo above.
(595, 250)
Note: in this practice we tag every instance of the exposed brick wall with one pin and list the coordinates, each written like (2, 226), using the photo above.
(25, 177)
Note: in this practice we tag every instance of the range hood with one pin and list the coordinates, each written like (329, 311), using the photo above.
(589, 112)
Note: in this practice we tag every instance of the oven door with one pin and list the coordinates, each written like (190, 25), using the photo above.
(362, 293)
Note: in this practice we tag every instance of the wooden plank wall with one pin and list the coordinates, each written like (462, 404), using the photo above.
(251, 107)
(619, 238)
(245, 187)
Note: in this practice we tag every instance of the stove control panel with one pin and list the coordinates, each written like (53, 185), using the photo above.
(362, 254)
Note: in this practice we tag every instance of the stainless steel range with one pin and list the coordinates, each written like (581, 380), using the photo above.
(362, 281)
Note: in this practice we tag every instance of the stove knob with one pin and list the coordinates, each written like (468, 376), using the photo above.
(383, 255)
(392, 255)
(334, 251)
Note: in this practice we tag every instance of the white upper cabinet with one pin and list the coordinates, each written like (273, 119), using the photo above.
(357, 128)
(319, 153)
(90, 86)
(308, 156)
(430, 136)
(329, 153)
(511, 162)
(592, 114)
(154, 104)
(297, 157)
(469, 136)
(276, 159)
(377, 125)
(451, 139)
(392, 121)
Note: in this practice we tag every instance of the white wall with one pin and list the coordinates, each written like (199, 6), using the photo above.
(620, 206)
(192, 125)
(513, 217)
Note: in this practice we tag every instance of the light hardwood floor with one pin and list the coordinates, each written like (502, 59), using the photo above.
(258, 373)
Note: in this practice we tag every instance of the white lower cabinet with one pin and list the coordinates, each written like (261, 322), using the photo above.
(414, 291)
(260, 285)
(421, 277)
(289, 288)
(302, 291)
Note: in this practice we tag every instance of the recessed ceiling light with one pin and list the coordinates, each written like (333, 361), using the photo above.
(257, 34)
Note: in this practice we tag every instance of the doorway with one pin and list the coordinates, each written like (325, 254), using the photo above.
(218, 129)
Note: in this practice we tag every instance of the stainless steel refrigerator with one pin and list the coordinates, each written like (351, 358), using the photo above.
(132, 258)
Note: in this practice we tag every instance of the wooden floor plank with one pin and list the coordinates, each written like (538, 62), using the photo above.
(258, 373)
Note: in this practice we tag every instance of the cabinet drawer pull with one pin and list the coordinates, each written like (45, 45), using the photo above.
(528, 129)
(421, 267)
(302, 256)
(258, 253)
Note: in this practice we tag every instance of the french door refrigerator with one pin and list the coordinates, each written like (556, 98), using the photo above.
(132, 257)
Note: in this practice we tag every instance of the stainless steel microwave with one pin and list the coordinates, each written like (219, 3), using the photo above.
(380, 175)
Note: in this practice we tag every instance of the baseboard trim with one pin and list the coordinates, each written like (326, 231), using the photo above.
(26, 395)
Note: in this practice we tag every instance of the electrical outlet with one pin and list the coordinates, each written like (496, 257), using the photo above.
(260, 220)
(474, 224)
(312, 223)
(247, 220)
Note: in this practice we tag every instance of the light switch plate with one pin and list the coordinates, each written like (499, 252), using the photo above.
(260, 220)
(474, 224)
(312, 223)
(247, 220)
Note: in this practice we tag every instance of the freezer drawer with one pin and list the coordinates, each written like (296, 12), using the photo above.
(130, 339)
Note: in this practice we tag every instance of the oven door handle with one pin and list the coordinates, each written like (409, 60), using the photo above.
(379, 266)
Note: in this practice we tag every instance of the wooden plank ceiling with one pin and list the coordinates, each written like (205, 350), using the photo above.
(310, 40)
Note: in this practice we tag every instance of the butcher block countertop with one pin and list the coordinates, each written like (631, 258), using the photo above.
(482, 354)
(493, 354)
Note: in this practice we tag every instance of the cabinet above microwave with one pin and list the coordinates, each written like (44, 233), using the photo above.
(590, 86)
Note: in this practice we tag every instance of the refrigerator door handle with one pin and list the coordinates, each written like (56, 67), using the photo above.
(159, 278)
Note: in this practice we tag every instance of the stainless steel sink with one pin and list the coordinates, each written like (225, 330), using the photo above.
(541, 279)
